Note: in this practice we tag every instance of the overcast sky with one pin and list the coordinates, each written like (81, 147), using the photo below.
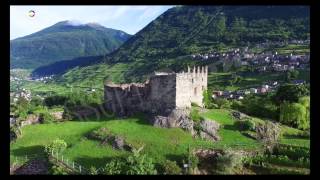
(130, 19)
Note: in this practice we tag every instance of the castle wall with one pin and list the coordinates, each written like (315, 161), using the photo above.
(162, 93)
(183, 87)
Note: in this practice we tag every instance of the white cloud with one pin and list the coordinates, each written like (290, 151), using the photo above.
(127, 18)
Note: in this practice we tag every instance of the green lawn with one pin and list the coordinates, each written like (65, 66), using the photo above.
(160, 143)
(231, 136)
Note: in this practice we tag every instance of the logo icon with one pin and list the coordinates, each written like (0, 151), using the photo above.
(31, 13)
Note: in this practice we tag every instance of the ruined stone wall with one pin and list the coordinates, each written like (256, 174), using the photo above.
(162, 93)
(126, 99)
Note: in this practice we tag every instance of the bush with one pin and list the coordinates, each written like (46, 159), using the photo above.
(246, 125)
(113, 168)
(222, 103)
(293, 152)
(269, 133)
(192, 161)
(58, 145)
(46, 117)
(136, 164)
(139, 164)
(228, 162)
(93, 170)
(58, 170)
(171, 168)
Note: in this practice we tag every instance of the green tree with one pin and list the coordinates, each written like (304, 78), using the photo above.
(296, 114)
(290, 75)
(290, 93)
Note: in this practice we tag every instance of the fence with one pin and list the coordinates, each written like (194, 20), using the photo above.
(71, 165)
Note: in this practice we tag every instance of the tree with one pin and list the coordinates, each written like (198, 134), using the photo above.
(290, 93)
(290, 75)
(207, 99)
(296, 114)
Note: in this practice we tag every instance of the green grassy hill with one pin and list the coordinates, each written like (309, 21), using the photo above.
(181, 31)
(160, 143)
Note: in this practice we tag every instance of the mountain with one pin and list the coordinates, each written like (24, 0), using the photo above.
(62, 41)
(181, 31)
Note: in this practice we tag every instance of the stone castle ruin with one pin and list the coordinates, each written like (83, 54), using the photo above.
(166, 100)
(162, 93)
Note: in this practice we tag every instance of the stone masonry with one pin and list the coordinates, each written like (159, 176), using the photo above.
(160, 94)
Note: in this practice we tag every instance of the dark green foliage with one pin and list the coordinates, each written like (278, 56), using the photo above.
(36, 101)
(135, 164)
(290, 93)
(171, 168)
(62, 42)
(58, 170)
(260, 106)
(290, 75)
(192, 160)
(93, 170)
(228, 162)
(293, 152)
(46, 117)
(245, 125)
(222, 103)
(114, 167)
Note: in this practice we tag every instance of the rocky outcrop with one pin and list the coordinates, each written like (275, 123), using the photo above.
(209, 130)
(238, 115)
(106, 137)
(31, 119)
(57, 115)
(175, 118)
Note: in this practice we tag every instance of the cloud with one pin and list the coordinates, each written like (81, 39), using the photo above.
(127, 18)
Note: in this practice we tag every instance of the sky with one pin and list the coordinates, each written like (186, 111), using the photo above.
(129, 19)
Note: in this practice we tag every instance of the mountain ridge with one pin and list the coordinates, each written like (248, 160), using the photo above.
(63, 41)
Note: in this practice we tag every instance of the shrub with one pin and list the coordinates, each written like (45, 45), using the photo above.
(192, 160)
(58, 145)
(269, 133)
(93, 170)
(136, 164)
(222, 103)
(113, 168)
(228, 162)
(46, 117)
(139, 164)
(58, 170)
(171, 168)
(292, 151)
(246, 125)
